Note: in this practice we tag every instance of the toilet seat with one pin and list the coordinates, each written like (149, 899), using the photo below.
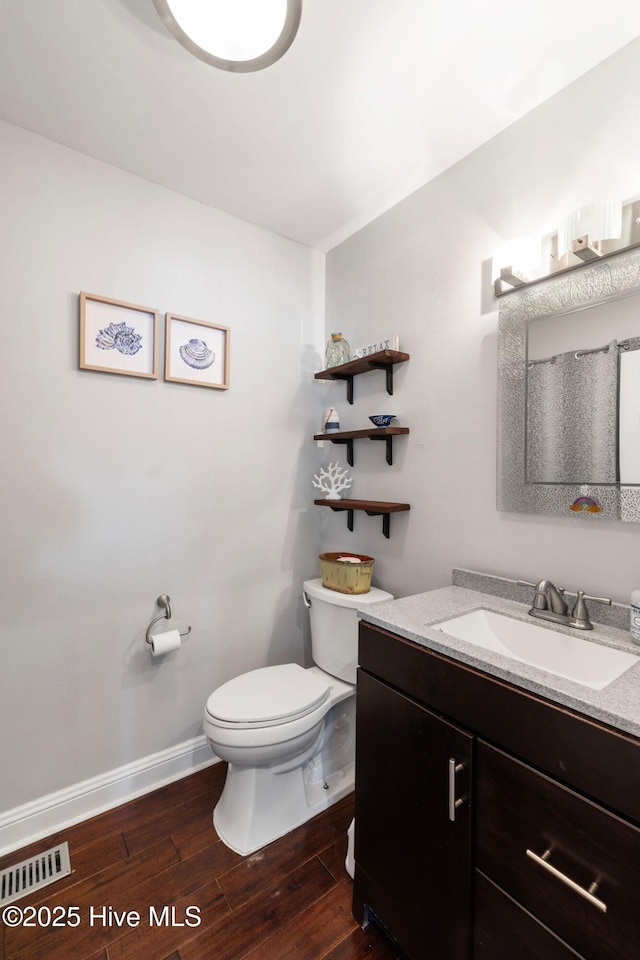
(267, 697)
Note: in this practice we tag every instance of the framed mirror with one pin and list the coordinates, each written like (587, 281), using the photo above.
(569, 393)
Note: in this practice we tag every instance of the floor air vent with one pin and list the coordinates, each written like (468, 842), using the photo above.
(39, 871)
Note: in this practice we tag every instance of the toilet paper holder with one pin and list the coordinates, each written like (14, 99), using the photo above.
(165, 603)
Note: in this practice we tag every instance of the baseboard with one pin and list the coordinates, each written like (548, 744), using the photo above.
(55, 811)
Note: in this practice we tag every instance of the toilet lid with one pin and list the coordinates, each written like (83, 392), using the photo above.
(267, 695)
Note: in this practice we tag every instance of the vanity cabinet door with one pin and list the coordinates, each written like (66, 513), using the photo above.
(569, 862)
(503, 930)
(413, 831)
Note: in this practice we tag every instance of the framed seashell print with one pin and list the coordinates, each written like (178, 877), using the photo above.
(118, 337)
(196, 352)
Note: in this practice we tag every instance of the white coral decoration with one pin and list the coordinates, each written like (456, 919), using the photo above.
(331, 481)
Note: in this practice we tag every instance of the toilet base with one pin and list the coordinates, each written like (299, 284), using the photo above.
(261, 804)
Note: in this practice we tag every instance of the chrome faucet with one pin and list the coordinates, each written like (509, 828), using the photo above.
(549, 604)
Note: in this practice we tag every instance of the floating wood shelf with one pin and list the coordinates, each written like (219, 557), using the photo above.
(376, 433)
(383, 360)
(373, 508)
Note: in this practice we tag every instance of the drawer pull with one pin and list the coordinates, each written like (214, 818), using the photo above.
(453, 803)
(543, 861)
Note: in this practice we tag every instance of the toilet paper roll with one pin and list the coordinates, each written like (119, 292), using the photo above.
(165, 642)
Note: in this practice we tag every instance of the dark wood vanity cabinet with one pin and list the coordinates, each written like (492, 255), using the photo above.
(490, 823)
(413, 837)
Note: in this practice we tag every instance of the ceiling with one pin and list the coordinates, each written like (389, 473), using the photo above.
(374, 98)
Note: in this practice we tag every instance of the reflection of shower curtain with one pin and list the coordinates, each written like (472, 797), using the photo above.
(629, 453)
(572, 418)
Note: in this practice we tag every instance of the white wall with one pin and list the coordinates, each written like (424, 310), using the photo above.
(423, 270)
(115, 490)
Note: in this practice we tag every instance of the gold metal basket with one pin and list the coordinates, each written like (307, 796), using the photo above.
(341, 573)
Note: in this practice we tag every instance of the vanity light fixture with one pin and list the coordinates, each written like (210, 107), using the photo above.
(236, 35)
(590, 233)
(581, 231)
(516, 261)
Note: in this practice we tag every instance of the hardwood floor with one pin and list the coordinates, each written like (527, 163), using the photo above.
(145, 873)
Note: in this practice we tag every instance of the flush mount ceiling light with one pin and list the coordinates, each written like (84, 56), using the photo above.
(236, 35)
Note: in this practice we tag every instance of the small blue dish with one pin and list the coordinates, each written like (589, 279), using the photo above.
(382, 419)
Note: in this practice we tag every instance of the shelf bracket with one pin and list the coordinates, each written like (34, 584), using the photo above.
(349, 517)
(348, 378)
(349, 446)
(389, 440)
(373, 508)
(389, 372)
(386, 521)
(380, 360)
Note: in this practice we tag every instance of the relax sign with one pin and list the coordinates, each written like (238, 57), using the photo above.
(390, 343)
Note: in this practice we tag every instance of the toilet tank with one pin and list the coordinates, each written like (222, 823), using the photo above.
(334, 626)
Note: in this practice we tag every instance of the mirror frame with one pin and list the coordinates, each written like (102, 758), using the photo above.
(596, 282)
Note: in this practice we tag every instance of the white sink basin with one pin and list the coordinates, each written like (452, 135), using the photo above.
(572, 657)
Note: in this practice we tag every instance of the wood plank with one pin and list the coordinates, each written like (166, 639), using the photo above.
(153, 940)
(316, 931)
(110, 887)
(362, 365)
(266, 867)
(115, 899)
(372, 433)
(84, 863)
(79, 836)
(370, 506)
(145, 808)
(269, 891)
(334, 857)
(369, 944)
(223, 858)
(260, 918)
(192, 837)
(176, 817)
(155, 804)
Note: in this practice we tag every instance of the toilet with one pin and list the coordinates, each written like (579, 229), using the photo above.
(288, 733)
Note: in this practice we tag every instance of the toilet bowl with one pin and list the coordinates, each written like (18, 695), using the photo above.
(288, 733)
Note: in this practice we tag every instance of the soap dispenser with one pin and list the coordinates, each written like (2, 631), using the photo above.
(635, 616)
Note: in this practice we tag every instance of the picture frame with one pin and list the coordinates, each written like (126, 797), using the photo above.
(196, 352)
(118, 337)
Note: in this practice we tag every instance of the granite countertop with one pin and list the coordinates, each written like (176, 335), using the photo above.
(416, 617)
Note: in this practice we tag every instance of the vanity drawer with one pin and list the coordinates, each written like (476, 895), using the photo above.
(546, 845)
(503, 930)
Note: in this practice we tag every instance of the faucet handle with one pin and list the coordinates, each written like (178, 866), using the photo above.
(580, 611)
(606, 600)
(539, 600)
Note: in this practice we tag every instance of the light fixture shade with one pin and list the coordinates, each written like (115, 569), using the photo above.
(598, 221)
(236, 35)
(523, 255)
